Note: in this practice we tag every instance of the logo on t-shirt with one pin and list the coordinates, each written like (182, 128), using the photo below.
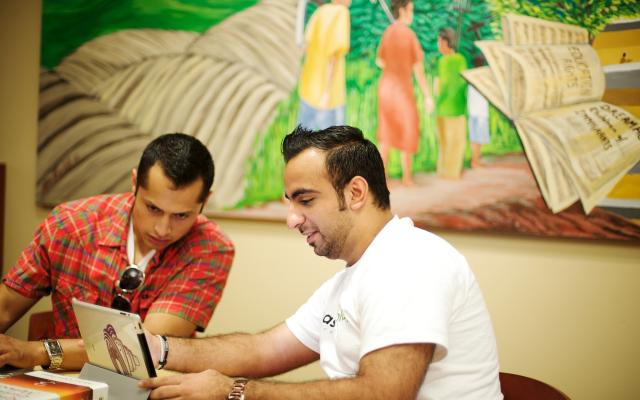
(329, 320)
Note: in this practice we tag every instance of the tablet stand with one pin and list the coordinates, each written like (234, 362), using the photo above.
(121, 387)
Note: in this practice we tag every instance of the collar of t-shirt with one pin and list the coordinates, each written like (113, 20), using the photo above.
(131, 253)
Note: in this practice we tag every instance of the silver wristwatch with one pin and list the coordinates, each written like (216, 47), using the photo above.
(54, 351)
(237, 390)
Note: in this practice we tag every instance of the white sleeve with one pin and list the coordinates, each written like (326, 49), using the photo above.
(413, 299)
(306, 322)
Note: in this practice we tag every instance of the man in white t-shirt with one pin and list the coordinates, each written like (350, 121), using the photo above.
(404, 320)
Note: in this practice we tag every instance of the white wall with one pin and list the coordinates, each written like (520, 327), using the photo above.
(566, 312)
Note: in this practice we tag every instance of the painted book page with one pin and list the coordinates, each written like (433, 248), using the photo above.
(523, 30)
(594, 143)
(551, 76)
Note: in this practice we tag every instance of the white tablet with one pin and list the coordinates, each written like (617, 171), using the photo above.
(114, 340)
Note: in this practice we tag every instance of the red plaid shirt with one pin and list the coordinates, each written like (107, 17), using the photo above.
(81, 248)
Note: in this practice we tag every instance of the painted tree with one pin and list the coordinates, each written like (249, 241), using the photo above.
(471, 18)
(594, 15)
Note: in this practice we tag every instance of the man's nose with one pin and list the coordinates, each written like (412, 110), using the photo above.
(294, 218)
(163, 226)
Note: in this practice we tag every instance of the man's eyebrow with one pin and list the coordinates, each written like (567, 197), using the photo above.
(151, 203)
(182, 213)
(299, 193)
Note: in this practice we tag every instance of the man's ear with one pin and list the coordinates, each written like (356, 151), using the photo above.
(134, 179)
(357, 192)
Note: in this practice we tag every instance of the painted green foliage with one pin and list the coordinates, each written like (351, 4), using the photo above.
(591, 14)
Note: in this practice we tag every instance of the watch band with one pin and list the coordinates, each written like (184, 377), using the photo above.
(237, 390)
(55, 353)
(164, 351)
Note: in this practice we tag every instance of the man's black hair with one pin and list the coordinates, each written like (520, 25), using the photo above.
(349, 154)
(183, 160)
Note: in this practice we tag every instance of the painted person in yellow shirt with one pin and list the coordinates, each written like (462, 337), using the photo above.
(322, 80)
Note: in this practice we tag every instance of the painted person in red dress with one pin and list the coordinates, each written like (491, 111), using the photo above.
(400, 57)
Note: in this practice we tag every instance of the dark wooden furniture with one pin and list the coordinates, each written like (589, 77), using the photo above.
(40, 325)
(518, 387)
(3, 181)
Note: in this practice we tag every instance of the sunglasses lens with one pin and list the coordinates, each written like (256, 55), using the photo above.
(121, 303)
(131, 278)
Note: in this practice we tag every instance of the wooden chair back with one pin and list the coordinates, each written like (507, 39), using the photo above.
(518, 387)
(40, 325)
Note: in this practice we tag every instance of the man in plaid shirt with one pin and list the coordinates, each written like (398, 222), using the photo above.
(150, 252)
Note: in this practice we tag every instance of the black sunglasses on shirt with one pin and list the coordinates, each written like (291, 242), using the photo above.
(130, 280)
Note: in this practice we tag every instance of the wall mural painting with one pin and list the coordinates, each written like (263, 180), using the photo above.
(553, 152)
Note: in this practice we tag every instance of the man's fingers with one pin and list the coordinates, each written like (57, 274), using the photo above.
(6, 358)
(165, 392)
(153, 383)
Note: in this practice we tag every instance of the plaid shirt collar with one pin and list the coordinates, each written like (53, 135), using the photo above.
(112, 232)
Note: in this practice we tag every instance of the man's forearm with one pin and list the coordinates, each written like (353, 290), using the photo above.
(232, 354)
(24, 354)
(343, 389)
(392, 373)
(260, 355)
(12, 306)
(356, 388)
(74, 354)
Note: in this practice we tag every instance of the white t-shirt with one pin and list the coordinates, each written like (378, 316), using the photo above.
(409, 286)
(477, 105)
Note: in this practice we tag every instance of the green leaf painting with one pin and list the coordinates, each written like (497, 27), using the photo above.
(67, 24)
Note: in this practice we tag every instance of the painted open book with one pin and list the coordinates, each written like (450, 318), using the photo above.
(548, 80)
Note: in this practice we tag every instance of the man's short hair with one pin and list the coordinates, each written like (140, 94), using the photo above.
(449, 36)
(348, 154)
(396, 5)
(183, 160)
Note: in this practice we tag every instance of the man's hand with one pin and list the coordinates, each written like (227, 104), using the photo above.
(206, 385)
(19, 353)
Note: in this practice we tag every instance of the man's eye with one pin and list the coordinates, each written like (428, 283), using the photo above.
(181, 216)
(306, 202)
(153, 208)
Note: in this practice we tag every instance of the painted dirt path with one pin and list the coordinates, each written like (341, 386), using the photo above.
(499, 197)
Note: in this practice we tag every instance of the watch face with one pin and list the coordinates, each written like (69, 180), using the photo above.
(54, 351)
(54, 347)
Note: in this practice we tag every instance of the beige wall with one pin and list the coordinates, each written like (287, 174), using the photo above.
(566, 312)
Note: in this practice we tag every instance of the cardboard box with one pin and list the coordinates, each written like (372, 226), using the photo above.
(43, 385)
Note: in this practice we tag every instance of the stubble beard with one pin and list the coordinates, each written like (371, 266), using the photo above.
(334, 241)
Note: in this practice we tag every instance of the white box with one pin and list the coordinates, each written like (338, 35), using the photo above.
(43, 385)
